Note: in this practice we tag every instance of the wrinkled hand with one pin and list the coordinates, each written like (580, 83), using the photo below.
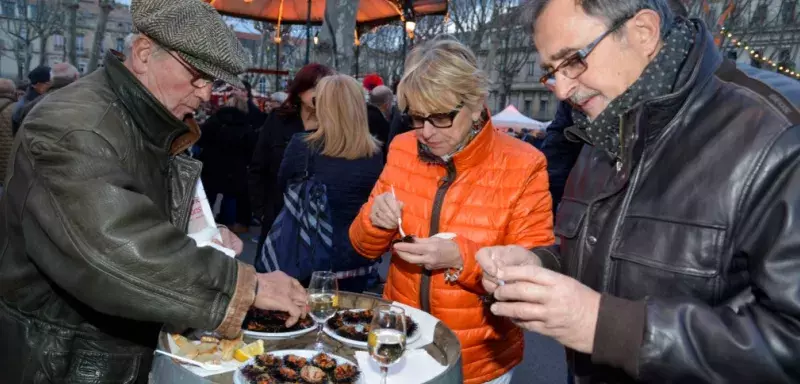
(230, 240)
(550, 304)
(386, 210)
(431, 253)
(492, 259)
(279, 292)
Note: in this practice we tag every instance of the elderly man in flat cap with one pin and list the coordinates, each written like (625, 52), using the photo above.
(94, 256)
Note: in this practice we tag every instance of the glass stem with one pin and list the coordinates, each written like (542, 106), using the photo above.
(384, 374)
(319, 334)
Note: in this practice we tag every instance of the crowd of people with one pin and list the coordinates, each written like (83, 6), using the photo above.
(670, 178)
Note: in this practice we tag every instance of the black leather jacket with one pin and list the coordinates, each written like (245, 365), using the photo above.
(93, 253)
(694, 237)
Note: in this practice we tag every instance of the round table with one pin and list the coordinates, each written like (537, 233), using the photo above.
(445, 348)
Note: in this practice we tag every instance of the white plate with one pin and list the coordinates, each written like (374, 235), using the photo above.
(363, 344)
(279, 335)
(238, 377)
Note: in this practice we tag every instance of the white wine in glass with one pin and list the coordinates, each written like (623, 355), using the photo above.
(387, 337)
(323, 302)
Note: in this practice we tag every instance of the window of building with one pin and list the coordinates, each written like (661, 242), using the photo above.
(528, 110)
(32, 11)
(58, 41)
(543, 107)
(760, 14)
(120, 44)
(9, 8)
(79, 44)
(82, 68)
(788, 11)
(532, 67)
(785, 54)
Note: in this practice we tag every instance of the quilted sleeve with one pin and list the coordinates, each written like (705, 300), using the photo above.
(531, 222)
(368, 240)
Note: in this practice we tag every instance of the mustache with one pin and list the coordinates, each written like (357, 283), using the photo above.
(580, 98)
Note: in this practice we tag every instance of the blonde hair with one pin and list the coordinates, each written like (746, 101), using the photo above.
(238, 103)
(441, 74)
(342, 114)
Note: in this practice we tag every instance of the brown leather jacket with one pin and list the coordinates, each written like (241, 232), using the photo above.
(93, 253)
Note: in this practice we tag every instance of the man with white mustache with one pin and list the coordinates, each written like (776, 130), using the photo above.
(679, 224)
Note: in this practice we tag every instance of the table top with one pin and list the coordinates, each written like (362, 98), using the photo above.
(445, 348)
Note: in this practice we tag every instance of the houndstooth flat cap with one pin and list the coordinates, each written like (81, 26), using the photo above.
(196, 32)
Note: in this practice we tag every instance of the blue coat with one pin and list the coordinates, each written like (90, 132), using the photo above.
(349, 183)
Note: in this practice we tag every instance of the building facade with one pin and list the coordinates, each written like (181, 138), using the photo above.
(12, 17)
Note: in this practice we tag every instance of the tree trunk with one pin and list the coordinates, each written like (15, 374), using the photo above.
(43, 49)
(72, 34)
(99, 34)
(28, 56)
(338, 34)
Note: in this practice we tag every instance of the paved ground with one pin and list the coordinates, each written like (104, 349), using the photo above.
(544, 358)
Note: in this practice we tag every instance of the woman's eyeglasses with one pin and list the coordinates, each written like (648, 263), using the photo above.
(438, 120)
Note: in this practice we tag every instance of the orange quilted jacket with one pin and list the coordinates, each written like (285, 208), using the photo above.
(495, 192)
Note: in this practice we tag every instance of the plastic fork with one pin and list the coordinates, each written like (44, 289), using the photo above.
(206, 366)
(399, 219)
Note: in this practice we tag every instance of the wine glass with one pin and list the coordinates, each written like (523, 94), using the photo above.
(322, 300)
(387, 337)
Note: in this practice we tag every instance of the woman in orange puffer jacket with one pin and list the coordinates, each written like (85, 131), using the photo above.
(454, 173)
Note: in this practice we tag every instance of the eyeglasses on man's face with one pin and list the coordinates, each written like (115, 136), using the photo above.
(575, 65)
(438, 120)
(199, 79)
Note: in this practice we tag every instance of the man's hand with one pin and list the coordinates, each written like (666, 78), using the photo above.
(549, 303)
(230, 240)
(279, 292)
(432, 253)
(492, 259)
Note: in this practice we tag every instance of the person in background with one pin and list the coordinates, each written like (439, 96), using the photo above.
(383, 98)
(347, 159)
(63, 74)
(226, 144)
(8, 96)
(295, 115)
(39, 84)
(561, 152)
(371, 81)
(94, 254)
(256, 116)
(455, 173)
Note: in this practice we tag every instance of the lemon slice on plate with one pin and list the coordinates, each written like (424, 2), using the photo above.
(248, 351)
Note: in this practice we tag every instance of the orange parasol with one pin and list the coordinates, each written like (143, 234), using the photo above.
(370, 12)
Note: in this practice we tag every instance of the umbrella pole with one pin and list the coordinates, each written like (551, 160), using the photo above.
(308, 32)
(277, 66)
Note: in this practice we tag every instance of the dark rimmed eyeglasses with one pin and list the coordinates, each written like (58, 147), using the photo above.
(575, 65)
(438, 120)
(199, 79)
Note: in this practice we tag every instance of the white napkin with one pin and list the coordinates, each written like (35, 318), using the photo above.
(416, 366)
(425, 322)
(227, 366)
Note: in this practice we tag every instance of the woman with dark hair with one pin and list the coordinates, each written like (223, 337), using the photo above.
(296, 114)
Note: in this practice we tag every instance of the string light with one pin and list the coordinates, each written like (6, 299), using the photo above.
(755, 55)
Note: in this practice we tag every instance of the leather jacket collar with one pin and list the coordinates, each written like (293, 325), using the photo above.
(703, 60)
(149, 115)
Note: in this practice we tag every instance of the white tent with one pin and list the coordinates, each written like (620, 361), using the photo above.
(511, 118)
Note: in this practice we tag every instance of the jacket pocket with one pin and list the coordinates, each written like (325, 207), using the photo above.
(101, 368)
(569, 218)
(664, 258)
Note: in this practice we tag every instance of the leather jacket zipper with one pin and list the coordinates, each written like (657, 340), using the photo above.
(438, 200)
(184, 207)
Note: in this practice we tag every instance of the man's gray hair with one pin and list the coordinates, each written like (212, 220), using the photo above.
(62, 74)
(610, 11)
(381, 96)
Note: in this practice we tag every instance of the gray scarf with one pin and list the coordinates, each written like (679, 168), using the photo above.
(658, 79)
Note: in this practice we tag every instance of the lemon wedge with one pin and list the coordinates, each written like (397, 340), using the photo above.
(248, 351)
(336, 301)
